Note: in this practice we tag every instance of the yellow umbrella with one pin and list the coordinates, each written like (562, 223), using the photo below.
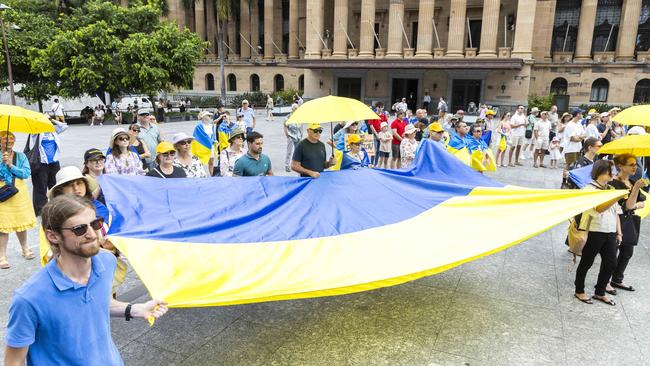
(637, 145)
(638, 115)
(331, 109)
(18, 119)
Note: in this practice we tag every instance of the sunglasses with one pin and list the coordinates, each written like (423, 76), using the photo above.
(478, 131)
(82, 229)
(169, 153)
(122, 139)
(185, 142)
(318, 130)
(100, 160)
(135, 129)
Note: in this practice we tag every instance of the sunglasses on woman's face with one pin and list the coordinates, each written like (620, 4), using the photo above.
(122, 139)
(82, 229)
(169, 153)
(185, 142)
(135, 129)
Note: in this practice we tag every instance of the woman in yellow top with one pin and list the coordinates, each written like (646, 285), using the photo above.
(16, 213)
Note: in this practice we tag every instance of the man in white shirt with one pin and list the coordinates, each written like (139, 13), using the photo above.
(248, 115)
(57, 110)
(553, 118)
(426, 100)
(517, 134)
(573, 136)
(402, 106)
(541, 133)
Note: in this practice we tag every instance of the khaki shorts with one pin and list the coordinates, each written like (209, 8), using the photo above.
(517, 141)
(541, 144)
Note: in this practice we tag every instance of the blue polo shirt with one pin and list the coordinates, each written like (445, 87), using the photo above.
(246, 166)
(63, 322)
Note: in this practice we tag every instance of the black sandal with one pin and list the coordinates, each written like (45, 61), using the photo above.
(612, 292)
(622, 287)
(601, 299)
(586, 301)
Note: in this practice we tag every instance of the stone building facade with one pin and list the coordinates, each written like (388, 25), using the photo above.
(493, 51)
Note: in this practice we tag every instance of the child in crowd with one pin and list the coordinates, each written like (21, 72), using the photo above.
(555, 152)
(385, 138)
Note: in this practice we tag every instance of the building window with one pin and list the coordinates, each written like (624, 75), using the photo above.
(301, 82)
(209, 82)
(232, 82)
(599, 90)
(559, 86)
(565, 28)
(255, 83)
(642, 92)
(278, 80)
(643, 34)
(608, 17)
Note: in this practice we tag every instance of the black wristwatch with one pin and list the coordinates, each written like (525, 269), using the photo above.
(127, 312)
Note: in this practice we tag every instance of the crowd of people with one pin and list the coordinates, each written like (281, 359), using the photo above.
(73, 208)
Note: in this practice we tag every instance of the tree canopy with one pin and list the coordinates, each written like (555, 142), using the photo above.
(98, 47)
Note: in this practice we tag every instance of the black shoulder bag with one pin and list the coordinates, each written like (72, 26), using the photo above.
(9, 190)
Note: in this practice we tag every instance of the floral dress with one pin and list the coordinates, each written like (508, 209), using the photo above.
(130, 164)
(407, 151)
(194, 170)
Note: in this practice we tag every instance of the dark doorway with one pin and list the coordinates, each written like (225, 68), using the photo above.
(406, 88)
(349, 87)
(464, 92)
(475, 31)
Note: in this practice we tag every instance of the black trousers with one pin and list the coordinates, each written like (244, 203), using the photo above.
(43, 179)
(605, 245)
(625, 252)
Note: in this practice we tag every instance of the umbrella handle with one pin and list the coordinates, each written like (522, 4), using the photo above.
(332, 137)
(4, 149)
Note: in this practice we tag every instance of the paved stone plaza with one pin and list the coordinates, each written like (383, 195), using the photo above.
(515, 307)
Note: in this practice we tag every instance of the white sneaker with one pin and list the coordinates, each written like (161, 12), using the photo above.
(522, 157)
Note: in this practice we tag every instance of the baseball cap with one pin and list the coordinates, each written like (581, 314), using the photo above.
(144, 111)
(313, 126)
(575, 111)
(593, 111)
(203, 114)
(354, 139)
(164, 147)
(436, 127)
(93, 154)
(604, 114)
(490, 113)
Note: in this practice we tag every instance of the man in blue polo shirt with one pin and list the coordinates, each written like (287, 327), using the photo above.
(60, 316)
(254, 163)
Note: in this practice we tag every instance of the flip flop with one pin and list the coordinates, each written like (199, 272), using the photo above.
(612, 292)
(4, 264)
(608, 301)
(622, 287)
(586, 301)
(28, 254)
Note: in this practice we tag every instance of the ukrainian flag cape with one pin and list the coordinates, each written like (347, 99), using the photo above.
(278, 238)
(458, 147)
(202, 143)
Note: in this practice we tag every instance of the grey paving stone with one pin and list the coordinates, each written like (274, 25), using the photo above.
(138, 353)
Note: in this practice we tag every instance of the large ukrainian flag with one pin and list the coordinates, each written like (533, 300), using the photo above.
(278, 238)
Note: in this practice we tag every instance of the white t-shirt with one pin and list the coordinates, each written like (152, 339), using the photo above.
(592, 131)
(99, 113)
(248, 114)
(57, 109)
(604, 222)
(544, 128)
(518, 119)
(572, 129)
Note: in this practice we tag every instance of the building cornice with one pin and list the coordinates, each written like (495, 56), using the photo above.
(476, 64)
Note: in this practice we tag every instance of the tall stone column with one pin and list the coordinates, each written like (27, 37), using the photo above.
(269, 49)
(425, 28)
(366, 29)
(456, 41)
(293, 29)
(586, 30)
(489, 28)
(524, 29)
(232, 32)
(628, 30)
(255, 25)
(340, 24)
(395, 35)
(548, 22)
(244, 29)
(199, 18)
(177, 12)
(314, 28)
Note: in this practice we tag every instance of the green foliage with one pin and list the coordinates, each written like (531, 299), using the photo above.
(98, 46)
(205, 101)
(286, 95)
(256, 99)
(600, 107)
(544, 103)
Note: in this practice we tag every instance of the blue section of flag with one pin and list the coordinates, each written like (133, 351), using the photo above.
(263, 209)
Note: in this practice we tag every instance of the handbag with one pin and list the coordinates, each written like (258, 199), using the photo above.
(630, 225)
(9, 190)
(578, 237)
(33, 155)
(529, 134)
